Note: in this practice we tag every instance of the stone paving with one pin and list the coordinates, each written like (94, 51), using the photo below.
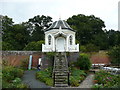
(88, 82)
(30, 80)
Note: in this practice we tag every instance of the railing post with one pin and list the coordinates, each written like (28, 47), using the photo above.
(54, 79)
(68, 79)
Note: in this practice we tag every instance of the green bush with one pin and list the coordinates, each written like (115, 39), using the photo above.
(114, 54)
(10, 73)
(76, 77)
(74, 81)
(89, 48)
(49, 81)
(83, 48)
(21, 85)
(77, 72)
(45, 76)
(24, 63)
(37, 46)
(92, 48)
(11, 77)
(83, 62)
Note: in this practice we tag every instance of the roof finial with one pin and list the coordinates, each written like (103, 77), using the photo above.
(59, 17)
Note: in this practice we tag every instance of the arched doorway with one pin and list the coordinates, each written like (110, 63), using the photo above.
(60, 44)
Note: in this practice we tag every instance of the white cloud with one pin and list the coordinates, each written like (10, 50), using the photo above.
(22, 10)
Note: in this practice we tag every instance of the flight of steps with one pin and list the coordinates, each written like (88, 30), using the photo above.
(60, 71)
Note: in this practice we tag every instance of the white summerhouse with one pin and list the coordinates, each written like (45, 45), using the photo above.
(60, 37)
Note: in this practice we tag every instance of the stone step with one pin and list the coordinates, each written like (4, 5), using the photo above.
(65, 78)
(61, 64)
(60, 67)
(60, 76)
(60, 82)
(61, 71)
(61, 85)
(60, 79)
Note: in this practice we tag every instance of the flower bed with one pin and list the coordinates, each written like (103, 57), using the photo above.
(11, 77)
(76, 76)
(104, 79)
(45, 76)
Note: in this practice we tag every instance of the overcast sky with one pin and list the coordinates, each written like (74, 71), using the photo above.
(22, 10)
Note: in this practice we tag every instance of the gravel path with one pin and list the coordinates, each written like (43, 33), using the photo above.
(30, 80)
(88, 82)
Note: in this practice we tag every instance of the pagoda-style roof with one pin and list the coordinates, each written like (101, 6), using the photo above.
(59, 24)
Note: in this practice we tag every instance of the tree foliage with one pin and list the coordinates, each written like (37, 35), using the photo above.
(83, 62)
(86, 27)
(114, 54)
(34, 46)
(37, 24)
(90, 32)
(17, 36)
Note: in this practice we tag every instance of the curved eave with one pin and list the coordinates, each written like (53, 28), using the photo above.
(57, 24)
(45, 30)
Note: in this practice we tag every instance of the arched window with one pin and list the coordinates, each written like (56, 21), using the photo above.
(49, 40)
(70, 40)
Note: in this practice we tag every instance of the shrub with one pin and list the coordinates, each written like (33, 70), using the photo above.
(50, 55)
(78, 72)
(21, 85)
(83, 62)
(91, 48)
(9, 73)
(74, 81)
(24, 63)
(34, 46)
(83, 48)
(114, 54)
(11, 77)
(45, 76)
(49, 81)
(76, 77)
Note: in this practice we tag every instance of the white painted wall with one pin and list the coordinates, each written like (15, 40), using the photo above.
(54, 46)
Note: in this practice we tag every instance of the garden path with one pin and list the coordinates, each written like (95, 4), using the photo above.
(30, 79)
(88, 82)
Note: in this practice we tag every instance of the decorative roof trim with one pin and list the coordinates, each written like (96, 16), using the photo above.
(61, 23)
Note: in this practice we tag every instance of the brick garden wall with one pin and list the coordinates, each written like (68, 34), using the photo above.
(14, 58)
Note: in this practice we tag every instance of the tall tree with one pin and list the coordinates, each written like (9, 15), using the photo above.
(113, 37)
(114, 54)
(15, 36)
(7, 24)
(37, 24)
(86, 26)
